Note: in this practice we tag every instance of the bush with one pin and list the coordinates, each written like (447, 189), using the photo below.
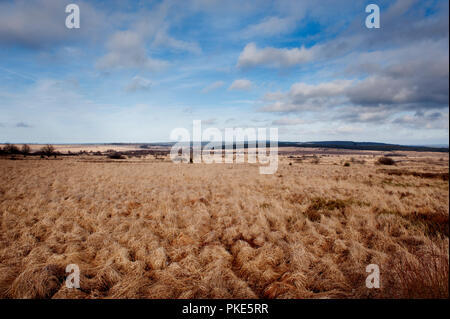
(385, 161)
(116, 156)
(11, 149)
(48, 150)
(347, 164)
(25, 150)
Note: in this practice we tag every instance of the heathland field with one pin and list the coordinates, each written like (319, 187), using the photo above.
(144, 227)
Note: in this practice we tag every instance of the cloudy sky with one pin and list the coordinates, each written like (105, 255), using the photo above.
(134, 71)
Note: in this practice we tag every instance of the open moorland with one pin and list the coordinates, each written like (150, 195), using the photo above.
(140, 226)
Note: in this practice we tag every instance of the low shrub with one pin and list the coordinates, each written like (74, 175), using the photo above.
(48, 150)
(25, 150)
(116, 156)
(11, 149)
(385, 161)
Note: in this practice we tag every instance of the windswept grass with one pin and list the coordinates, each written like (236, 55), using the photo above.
(147, 228)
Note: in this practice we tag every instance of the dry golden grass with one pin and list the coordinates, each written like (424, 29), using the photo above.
(144, 228)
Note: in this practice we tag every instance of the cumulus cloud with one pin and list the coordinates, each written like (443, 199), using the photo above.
(420, 82)
(253, 56)
(385, 83)
(302, 91)
(138, 83)
(127, 50)
(40, 23)
(358, 114)
(395, 76)
(213, 86)
(420, 120)
(402, 24)
(303, 96)
(241, 85)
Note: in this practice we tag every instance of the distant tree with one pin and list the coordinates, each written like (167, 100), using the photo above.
(25, 150)
(11, 149)
(48, 150)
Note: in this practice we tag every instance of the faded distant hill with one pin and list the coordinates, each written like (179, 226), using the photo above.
(372, 146)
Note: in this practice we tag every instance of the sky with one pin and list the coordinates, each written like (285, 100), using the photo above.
(136, 70)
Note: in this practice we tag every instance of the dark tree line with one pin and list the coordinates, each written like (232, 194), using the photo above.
(25, 149)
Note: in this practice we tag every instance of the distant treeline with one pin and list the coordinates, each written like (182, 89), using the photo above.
(146, 149)
(367, 146)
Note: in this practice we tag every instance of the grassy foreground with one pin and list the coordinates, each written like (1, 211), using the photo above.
(148, 228)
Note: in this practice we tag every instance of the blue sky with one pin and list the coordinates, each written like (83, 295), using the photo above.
(136, 70)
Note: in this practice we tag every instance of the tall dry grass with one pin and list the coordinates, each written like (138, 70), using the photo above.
(154, 229)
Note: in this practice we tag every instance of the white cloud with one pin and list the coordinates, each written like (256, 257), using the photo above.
(241, 84)
(270, 26)
(253, 56)
(154, 26)
(213, 86)
(164, 40)
(303, 96)
(138, 83)
(126, 50)
(150, 29)
(332, 88)
(38, 24)
(421, 120)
